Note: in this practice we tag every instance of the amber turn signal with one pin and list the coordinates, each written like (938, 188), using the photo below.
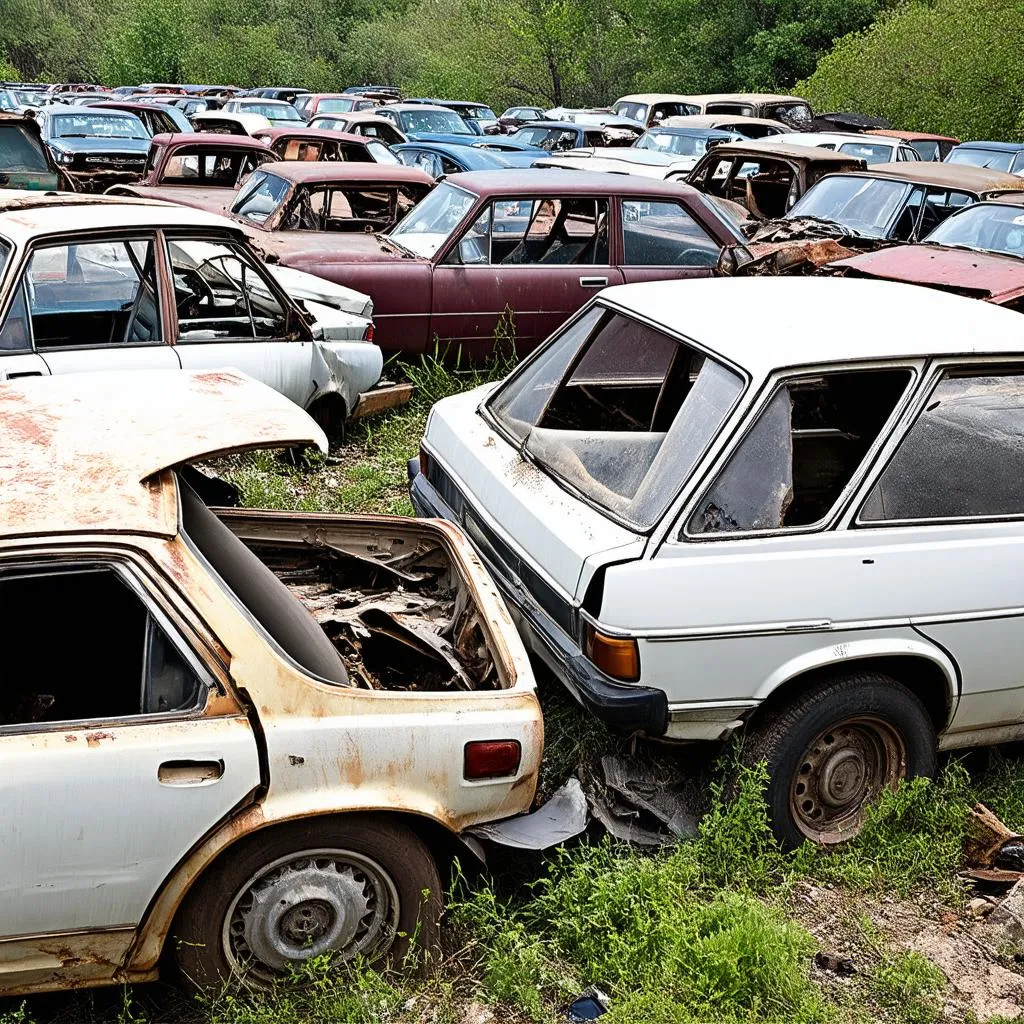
(491, 759)
(424, 462)
(615, 656)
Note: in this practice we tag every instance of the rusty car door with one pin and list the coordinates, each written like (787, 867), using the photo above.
(104, 785)
(537, 260)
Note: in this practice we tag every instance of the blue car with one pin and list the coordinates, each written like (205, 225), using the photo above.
(559, 136)
(999, 156)
(427, 122)
(95, 147)
(441, 158)
(478, 116)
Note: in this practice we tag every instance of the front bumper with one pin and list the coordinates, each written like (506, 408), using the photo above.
(625, 707)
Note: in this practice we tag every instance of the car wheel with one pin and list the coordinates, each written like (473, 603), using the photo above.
(833, 749)
(353, 887)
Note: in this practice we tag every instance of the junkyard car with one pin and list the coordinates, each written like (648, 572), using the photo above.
(277, 112)
(684, 145)
(361, 123)
(873, 149)
(999, 156)
(926, 145)
(159, 118)
(770, 106)
(650, 109)
(424, 121)
(558, 136)
(442, 158)
(708, 517)
(747, 127)
(95, 148)
(217, 122)
(481, 119)
(94, 283)
(538, 243)
(311, 104)
(318, 144)
(765, 177)
(299, 716)
(978, 252)
(198, 170)
(516, 117)
(25, 160)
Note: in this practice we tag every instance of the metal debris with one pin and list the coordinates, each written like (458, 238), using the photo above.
(563, 817)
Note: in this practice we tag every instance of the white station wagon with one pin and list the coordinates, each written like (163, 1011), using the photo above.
(709, 514)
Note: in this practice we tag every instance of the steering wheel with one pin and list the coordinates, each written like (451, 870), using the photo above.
(191, 277)
(693, 258)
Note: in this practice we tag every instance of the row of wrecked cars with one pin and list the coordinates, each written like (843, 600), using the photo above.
(701, 511)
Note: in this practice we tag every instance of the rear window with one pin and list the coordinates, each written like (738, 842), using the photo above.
(618, 411)
(995, 159)
(18, 152)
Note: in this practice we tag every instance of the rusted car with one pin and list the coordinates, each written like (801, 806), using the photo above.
(295, 209)
(201, 170)
(534, 243)
(99, 283)
(319, 144)
(25, 160)
(926, 145)
(310, 104)
(748, 127)
(651, 109)
(300, 716)
(159, 118)
(977, 252)
(361, 123)
(217, 122)
(772, 106)
(765, 177)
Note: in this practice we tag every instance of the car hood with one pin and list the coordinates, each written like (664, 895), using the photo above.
(99, 144)
(309, 248)
(215, 200)
(981, 275)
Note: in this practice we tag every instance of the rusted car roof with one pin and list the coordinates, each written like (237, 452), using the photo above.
(271, 135)
(300, 172)
(529, 181)
(981, 275)
(799, 154)
(912, 136)
(942, 175)
(78, 452)
(211, 139)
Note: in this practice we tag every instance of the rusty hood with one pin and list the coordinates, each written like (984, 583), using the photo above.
(982, 275)
(214, 200)
(85, 452)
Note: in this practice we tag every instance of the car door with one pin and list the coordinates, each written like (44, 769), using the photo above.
(228, 315)
(527, 263)
(94, 304)
(661, 239)
(116, 757)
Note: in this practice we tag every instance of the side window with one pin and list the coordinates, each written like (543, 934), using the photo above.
(906, 225)
(963, 458)
(220, 295)
(91, 294)
(134, 667)
(794, 462)
(938, 205)
(658, 234)
(16, 335)
(764, 187)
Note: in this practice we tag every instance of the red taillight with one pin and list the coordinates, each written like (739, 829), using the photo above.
(491, 759)
(424, 461)
(368, 333)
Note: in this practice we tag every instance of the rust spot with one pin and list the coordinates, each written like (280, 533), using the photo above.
(70, 737)
(353, 772)
(93, 739)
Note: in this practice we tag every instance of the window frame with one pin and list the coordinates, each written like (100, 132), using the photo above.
(687, 211)
(34, 565)
(937, 371)
(850, 495)
(92, 238)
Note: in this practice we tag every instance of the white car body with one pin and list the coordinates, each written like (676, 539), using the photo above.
(249, 123)
(875, 149)
(324, 358)
(724, 622)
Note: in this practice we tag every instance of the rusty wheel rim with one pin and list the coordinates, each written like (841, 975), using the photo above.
(841, 772)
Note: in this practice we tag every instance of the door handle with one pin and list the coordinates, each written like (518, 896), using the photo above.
(593, 282)
(23, 373)
(190, 773)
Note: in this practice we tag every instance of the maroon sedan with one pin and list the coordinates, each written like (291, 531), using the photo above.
(536, 243)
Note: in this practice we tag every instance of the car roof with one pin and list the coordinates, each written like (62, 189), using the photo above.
(543, 181)
(80, 452)
(748, 97)
(313, 171)
(217, 139)
(261, 100)
(417, 107)
(768, 147)
(658, 97)
(839, 138)
(82, 108)
(918, 322)
(305, 132)
(567, 125)
(911, 136)
(946, 175)
(1002, 147)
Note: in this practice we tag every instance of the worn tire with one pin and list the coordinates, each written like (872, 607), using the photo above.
(390, 854)
(831, 749)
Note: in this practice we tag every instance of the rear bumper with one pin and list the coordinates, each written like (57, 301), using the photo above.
(624, 707)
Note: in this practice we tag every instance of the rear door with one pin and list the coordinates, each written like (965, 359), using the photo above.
(526, 263)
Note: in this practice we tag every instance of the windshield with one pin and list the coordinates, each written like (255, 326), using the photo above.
(991, 227)
(260, 197)
(993, 158)
(554, 140)
(673, 142)
(870, 152)
(617, 410)
(445, 122)
(633, 111)
(429, 225)
(863, 205)
(104, 126)
(479, 113)
(18, 152)
(336, 106)
(271, 111)
(926, 149)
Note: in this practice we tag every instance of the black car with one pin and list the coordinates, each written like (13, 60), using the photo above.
(96, 148)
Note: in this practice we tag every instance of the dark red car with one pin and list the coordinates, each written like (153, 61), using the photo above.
(537, 243)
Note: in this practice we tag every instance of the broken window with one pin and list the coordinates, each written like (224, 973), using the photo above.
(114, 659)
(87, 294)
(963, 458)
(219, 295)
(259, 197)
(664, 234)
(861, 204)
(618, 410)
(198, 165)
(807, 443)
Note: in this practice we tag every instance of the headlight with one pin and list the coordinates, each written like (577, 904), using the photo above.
(63, 158)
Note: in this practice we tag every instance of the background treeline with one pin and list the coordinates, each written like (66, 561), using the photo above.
(954, 66)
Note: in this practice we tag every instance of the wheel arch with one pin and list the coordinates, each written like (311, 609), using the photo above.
(926, 670)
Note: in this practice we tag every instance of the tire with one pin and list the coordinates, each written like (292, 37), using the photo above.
(832, 750)
(369, 888)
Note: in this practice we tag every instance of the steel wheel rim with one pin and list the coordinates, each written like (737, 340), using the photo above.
(307, 904)
(843, 770)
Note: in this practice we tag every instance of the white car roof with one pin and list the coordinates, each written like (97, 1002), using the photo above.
(28, 215)
(762, 324)
(839, 138)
